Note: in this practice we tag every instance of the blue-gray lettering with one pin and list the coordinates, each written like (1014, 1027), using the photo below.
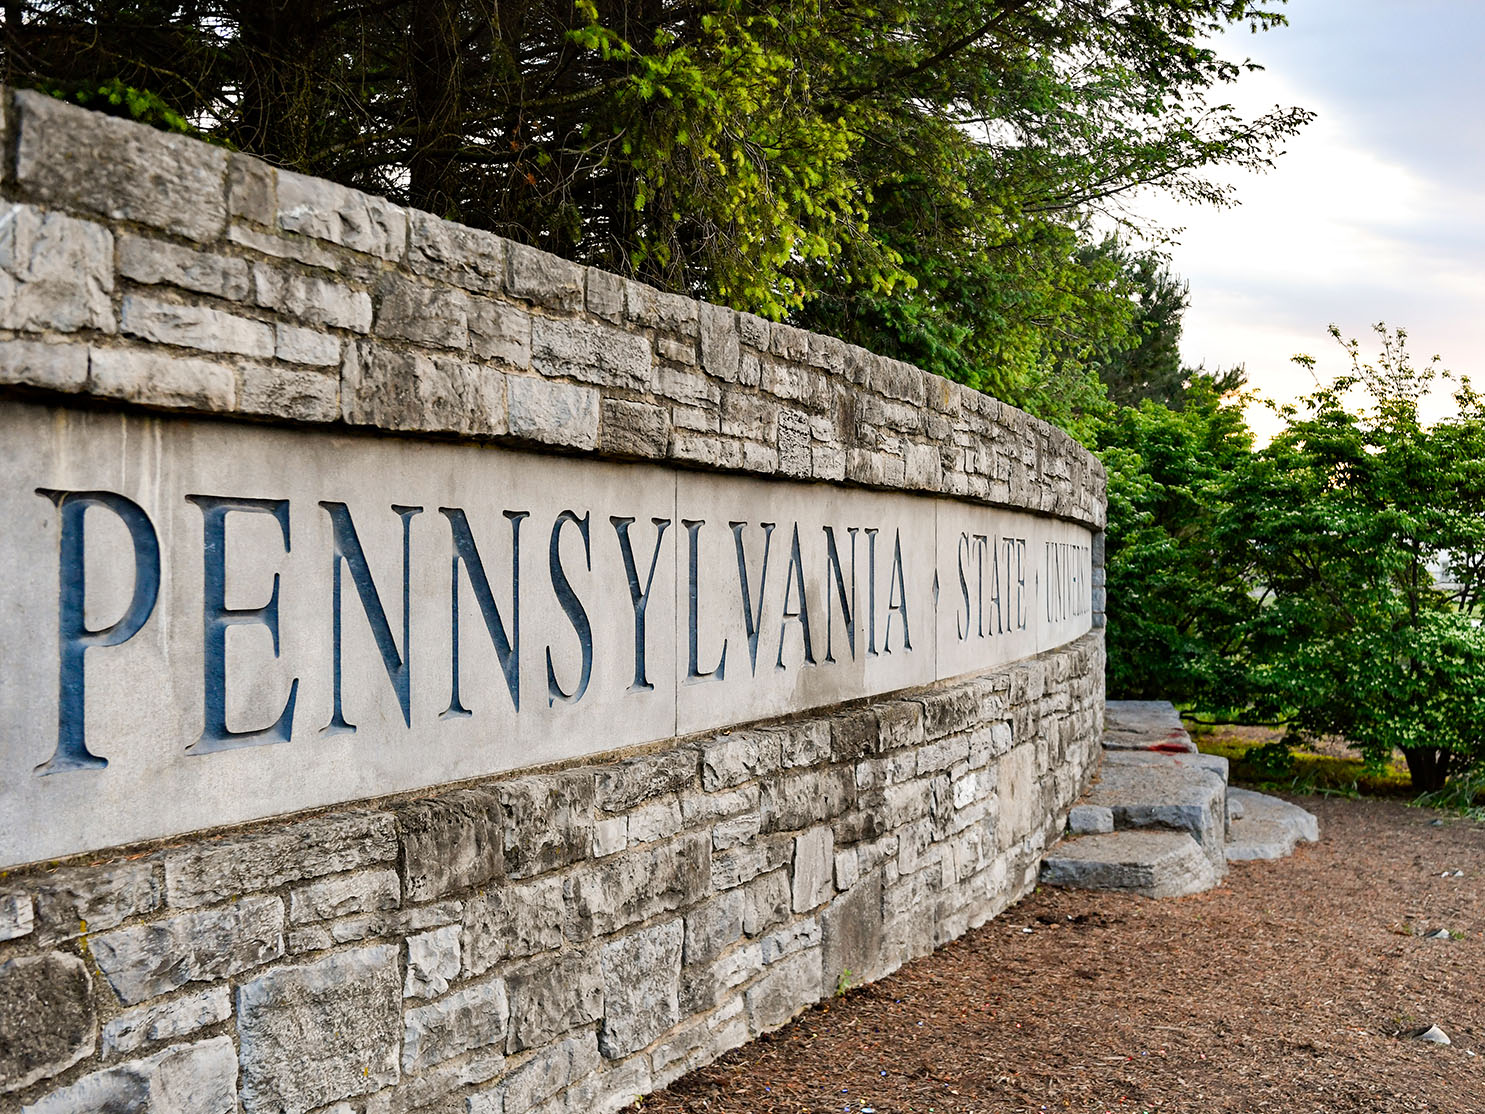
(507, 646)
(897, 590)
(871, 591)
(572, 606)
(792, 575)
(216, 617)
(73, 636)
(752, 619)
(694, 672)
(398, 665)
(640, 600)
(847, 607)
(962, 624)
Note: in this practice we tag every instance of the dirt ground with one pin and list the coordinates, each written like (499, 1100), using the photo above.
(1294, 987)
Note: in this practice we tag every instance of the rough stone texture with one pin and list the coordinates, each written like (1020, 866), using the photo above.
(432, 962)
(1090, 819)
(552, 413)
(152, 262)
(17, 916)
(511, 921)
(183, 1079)
(551, 997)
(344, 895)
(474, 1017)
(55, 272)
(1265, 827)
(449, 843)
(47, 1020)
(1150, 863)
(641, 986)
(320, 1032)
(1165, 791)
(1145, 725)
(179, 1017)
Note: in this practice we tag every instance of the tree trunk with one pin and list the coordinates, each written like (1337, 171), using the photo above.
(1428, 767)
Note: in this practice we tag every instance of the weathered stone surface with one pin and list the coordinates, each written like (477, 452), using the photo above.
(344, 895)
(75, 900)
(472, 1017)
(510, 921)
(449, 843)
(432, 962)
(592, 352)
(156, 378)
(500, 331)
(306, 346)
(552, 413)
(1266, 827)
(799, 800)
(178, 1017)
(767, 901)
(1151, 863)
(252, 189)
(315, 301)
(786, 988)
(623, 785)
(314, 1034)
(641, 984)
(410, 391)
(538, 1078)
(452, 253)
(548, 821)
(119, 169)
(183, 1079)
(223, 868)
(56, 272)
(155, 262)
(814, 868)
(17, 916)
(634, 429)
(714, 927)
(1145, 725)
(544, 279)
(738, 756)
(47, 1022)
(199, 327)
(141, 961)
(721, 347)
(1090, 819)
(1165, 791)
(325, 211)
(851, 933)
(635, 886)
(293, 393)
(50, 366)
(424, 313)
(548, 997)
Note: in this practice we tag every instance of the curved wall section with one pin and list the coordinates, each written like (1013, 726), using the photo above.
(651, 666)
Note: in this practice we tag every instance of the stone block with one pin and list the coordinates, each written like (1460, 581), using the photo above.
(813, 872)
(325, 211)
(122, 170)
(713, 927)
(297, 345)
(157, 262)
(315, 301)
(47, 1022)
(745, 862)
(449, 842)
(621, 786)
(610, 834)
(738, 757)
(432, 962)
(453, 253)
(605, 295)
(252, 190)
(657, 820)
(314, 1034)
(472, 1017)
(145, 960)
(591, 351)
(678, 352)
(153, 378)
(511, 921)
(707, 808)
(75, 900)
(792, 938)
(1090, 819)
(50, 366)
(423, 313)
(549, 997)
(17, 916)
(624, 889)
(655, 309)
(345, 895)
(1150, 863)
(294, 393)
(412, 391)
(634, 429)
(56, 272)
(788, 987)
(548, 821)
(737, 830)
(498, 331)
(196, 1078)
(721, 343)
(767, 901)
(851, 930)
(214, 870)
(805, 743)
(641, 983)
(198, 327)
(422, 1092)
(179, 1017)
(899, 724)
(552, 413)
(801, 799)
(545, 279)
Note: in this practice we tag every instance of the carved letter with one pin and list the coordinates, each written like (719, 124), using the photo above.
(847, 608)
(795, 573)
(572, 606)
(639, 600)
(694, 672)
(897, 590)
(752, 619)
(962, 625)
(507, 648)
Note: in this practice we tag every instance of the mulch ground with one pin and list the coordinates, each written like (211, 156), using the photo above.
(1293, 987)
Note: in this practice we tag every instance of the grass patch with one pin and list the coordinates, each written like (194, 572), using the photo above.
(1262, 765)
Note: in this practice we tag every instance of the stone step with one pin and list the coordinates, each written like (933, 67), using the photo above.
(1265, 827)
(1179, 792)
(1150, 863)
(1145, 725)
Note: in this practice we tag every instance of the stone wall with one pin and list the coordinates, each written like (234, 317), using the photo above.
(563, 938)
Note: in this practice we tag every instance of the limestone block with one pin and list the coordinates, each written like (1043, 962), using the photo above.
(178, 1017)
(641, 982)
(621, 786)
(746, 861)
(285, 392)
(306, 346)
(119, 169)
(1017, 796)
(721, 342)
(767, 901)
(851, 930)
(345, 895)
(1146, 790)
(47, 1022)
(449, 842)
(1152, 863)
(798, 800)
(637, 885)
(787, 988)
(398, 922)
(56, 272)
(499, 331)
(432, 962)
(1090, 819)
(652, 308)
(708, 808)
(594, 352)
(315, 301)
(199, 327)
(610, 835)
(793, 937)
(552, 413)
(17, 916)
(679, 352)
(806, 743)
(549, 997)
(545, 279)
(814, 868)
(75, 900)
(510, 921)
(156, 262)
(656, 820)
(714, 926)
(737, 830)
(196, 1078)
(539, 1078)
(412, 391)
(50, 366)
(423, 1090)
(634, 429)
(739, 756)
(155, 378)
(472, 1017)
(314, 1034)
(605, 295)
(423, 313)
(252, 189)
(214, 870)
(326, 211)
(142, 961)
(453, 253)
(900, 723)
(548, 821)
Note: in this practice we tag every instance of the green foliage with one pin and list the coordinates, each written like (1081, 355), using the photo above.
(117, 99)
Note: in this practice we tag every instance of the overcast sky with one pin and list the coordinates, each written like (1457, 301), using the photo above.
(1377, 211)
